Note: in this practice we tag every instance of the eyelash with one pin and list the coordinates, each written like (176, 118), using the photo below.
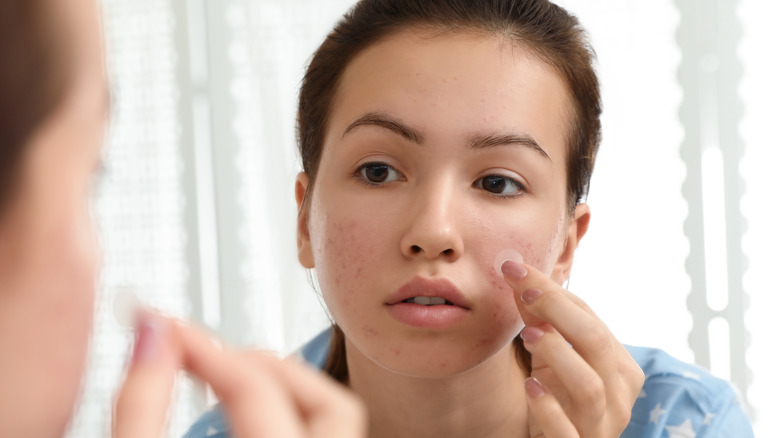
(520, 187)
(361, 175)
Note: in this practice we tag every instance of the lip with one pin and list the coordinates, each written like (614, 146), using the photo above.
(425, 287)
(435, 316)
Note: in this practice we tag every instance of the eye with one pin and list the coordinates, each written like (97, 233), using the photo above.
(378, 173)
(500, 186)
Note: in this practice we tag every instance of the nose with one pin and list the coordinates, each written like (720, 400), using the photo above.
(433, 230)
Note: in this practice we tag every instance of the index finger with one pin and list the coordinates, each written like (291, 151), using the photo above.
(332, 410)
(141, 406)
(255, 404)
(545, 301)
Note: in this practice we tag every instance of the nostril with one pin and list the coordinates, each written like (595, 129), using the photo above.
(448, 252)
(416, 249)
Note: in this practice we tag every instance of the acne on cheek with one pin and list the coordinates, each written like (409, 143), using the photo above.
(343, 258)
(370, 331)
(540, 254)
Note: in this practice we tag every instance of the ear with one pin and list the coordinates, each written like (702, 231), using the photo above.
(578, 225)
(305, 255)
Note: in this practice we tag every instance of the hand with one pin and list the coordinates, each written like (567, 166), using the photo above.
(261, 395)
(583, 381)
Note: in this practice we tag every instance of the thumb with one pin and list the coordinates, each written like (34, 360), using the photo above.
(142, 403)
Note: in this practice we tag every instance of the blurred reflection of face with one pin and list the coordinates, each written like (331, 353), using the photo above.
(48, 255)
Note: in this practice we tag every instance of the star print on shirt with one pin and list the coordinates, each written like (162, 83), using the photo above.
(682, 431)
(656, 413)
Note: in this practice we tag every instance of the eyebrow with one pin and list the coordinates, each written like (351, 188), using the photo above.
(387, 122)
(476, 142)
(488, 141)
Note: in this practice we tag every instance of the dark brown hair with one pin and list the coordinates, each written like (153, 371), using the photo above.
(543, 28)
(33, 80)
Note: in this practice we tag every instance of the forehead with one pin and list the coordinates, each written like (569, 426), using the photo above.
(455, 83)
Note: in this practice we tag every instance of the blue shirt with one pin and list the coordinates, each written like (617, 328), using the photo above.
(678, 400)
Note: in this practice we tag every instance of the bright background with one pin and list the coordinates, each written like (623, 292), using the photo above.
(198, 216)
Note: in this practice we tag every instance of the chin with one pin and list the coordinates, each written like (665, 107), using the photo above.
(437, 359)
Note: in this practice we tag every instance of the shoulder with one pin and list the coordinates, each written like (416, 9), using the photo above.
(683, 400)
(211, 425)
(315, 352)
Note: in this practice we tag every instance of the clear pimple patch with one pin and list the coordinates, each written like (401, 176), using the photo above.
(126, 305)
(504, 255)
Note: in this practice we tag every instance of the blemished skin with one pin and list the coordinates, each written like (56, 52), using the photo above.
(451, 90)
(442, 150)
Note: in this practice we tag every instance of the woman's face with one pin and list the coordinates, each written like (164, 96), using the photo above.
(442, 150)
(48, 255)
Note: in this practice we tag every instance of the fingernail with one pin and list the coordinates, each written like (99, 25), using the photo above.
(149, 333)
(531, 295)
(531, 334)
(514, 270)
(534, 388)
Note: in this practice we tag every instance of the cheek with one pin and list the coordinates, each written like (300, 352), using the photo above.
(348, 253)
(76, 263)
(51, 319)
(539, 248)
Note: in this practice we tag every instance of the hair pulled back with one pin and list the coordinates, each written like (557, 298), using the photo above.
(33, 80)
(544, 29)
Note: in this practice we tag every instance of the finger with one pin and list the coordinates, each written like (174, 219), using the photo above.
(550, 419)
(515, 275)
(142, 403)
(619, 374)
(549, 302)
(328, 407)
(583, 388)
(332, 409)
(256, 405)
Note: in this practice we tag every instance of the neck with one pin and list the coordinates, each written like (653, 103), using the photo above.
(486, 401)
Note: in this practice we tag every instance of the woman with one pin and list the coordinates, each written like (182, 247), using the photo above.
(53, 108)
(440, 139)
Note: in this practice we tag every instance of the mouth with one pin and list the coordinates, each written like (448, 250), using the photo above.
(429, 292)
(430, 304)
(428, 301)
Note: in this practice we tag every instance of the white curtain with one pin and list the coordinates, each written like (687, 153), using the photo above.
(198, 216)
